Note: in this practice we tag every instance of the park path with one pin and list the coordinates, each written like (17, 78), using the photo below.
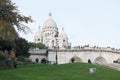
(111, 65)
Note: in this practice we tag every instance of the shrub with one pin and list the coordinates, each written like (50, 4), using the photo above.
(2, 59)
(23, 60)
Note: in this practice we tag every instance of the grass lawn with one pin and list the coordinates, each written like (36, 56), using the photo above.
(73, 71)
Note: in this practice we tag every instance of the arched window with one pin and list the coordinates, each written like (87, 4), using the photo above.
(38, 39)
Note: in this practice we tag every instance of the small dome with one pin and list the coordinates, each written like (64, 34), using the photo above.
(38, 34)
(50, 23)
(63, 34)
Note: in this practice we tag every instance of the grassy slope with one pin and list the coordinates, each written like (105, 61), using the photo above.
(75, 71)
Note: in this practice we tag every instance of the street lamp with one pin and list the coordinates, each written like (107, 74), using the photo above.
(56, 36)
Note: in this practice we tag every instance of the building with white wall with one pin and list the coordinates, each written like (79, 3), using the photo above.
(50, 36)
(96, 55)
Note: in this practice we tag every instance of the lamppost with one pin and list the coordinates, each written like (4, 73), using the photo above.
(56, 36)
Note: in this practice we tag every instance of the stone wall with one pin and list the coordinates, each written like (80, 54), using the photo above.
(65, 56)
(80, 55)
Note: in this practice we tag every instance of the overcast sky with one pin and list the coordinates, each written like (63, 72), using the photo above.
(93, 22)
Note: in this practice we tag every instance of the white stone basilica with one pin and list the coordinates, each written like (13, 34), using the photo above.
(49, 35)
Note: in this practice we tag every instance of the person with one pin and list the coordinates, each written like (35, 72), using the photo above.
(8, 62)
(15, 63)
(43, 61)
(72, 60)
(36, 60)
(89, 61)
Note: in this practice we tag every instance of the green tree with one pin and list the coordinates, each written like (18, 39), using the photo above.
(40, 46)
(5, 45)
(32, 45)
(37, 45)
(11, 18)
(21, 47)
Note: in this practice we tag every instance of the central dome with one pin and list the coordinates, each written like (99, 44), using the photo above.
(49, 23)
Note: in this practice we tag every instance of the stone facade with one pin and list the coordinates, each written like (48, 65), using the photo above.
(49, 35)
(96, 55)
(59, 50)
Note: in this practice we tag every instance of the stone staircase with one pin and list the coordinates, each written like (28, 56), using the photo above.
(111, 65)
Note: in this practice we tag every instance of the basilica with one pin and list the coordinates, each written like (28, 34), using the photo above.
(60, 51)
(49, 35)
